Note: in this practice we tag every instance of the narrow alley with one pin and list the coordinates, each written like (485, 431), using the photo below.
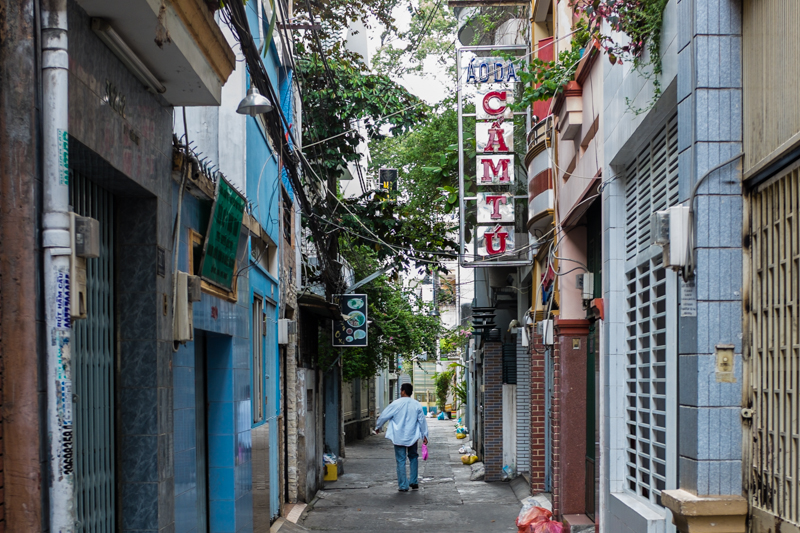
(365, 498)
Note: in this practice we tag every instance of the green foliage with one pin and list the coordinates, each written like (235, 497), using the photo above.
(399, 326)
(641, 21)
(460, 391)
(545, 79)
(454, 339)
(334, 104)
(431, 33)
(442, 382)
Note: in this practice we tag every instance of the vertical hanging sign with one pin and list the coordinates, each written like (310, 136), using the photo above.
(490, 83)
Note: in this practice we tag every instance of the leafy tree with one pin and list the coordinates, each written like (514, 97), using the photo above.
(442, 381)
(400, 326)
(339, 98)
(430, 34)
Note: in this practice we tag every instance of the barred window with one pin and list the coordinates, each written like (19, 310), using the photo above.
(651, 333)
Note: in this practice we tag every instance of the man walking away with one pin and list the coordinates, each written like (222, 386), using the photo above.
(407, 426)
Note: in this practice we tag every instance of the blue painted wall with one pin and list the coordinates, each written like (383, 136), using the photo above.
(228, 392)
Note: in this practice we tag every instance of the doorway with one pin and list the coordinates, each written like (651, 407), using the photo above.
(201, 427)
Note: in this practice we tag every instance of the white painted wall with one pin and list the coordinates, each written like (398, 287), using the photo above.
(623, 133)
(510, 425)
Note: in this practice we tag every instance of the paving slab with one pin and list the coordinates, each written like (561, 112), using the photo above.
(365, 498)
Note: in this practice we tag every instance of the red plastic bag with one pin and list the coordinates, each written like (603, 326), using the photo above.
(424, 452)
(548, 526)
(531, 517)
(537, 520)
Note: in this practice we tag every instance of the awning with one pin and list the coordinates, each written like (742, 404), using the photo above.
(319, 306)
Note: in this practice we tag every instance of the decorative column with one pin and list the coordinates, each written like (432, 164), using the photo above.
(569, 473)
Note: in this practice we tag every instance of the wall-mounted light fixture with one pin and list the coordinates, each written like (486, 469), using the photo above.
(103, 29)
(254, 104)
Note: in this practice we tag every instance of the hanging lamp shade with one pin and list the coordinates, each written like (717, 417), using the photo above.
(254, 104)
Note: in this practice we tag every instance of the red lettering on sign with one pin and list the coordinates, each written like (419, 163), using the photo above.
(487, 102)
(490, 170)
(501, 235)
(496, 140)
(495, 201)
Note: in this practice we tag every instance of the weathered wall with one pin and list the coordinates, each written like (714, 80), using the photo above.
(21, 474)
(769, 27)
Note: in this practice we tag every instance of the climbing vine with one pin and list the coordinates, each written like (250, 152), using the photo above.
(641, 21)
(545, 79)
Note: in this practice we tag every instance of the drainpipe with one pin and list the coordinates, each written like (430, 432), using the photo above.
(56, 244)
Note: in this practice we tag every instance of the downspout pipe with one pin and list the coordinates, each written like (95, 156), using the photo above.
(56, 245)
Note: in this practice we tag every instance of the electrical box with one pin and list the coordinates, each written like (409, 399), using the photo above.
(286, 328)
(183, 326)
(194, 288)
(586, 285)
(670, 230)
(544, 328)
(84, 243)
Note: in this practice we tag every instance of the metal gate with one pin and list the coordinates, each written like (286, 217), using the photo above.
(773, 360)
(93, 369)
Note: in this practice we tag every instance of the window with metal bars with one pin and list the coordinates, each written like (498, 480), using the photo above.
(651, 357)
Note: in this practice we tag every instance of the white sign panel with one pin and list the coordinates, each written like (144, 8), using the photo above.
(494, 169)
(490, 70)
(688, 298)
(495, 207)
(494, 137)
(492, 101)
(493, 241)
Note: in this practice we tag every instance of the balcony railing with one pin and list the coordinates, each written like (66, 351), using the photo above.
(541, 199)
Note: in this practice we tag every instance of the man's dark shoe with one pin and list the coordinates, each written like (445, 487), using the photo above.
(402, 490)
(414, 486)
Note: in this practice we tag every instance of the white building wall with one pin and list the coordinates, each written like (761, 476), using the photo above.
(623, 133)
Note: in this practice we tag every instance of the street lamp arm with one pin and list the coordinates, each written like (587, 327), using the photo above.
(369, 278)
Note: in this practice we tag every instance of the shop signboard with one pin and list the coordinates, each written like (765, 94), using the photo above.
(491, 201)
(222, 238)
(351, 330)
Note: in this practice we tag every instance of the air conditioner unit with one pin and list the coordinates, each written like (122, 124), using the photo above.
(544, 329)
(183, 327)
(286, 328)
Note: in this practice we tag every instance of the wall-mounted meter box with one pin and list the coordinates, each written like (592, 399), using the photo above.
(586, 285)
(544, 328)
(286, 328)
(85, 243)
(670, 230)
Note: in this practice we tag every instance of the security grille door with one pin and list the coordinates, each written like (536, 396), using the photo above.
(93, 369)
(651, 333)
(773, 362)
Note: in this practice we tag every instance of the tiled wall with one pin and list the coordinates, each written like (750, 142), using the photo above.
(228, 354)
(709, 132)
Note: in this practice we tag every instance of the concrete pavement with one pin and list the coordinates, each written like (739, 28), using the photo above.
(366, 499)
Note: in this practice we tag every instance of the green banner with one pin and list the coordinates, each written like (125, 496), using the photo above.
(222, 237)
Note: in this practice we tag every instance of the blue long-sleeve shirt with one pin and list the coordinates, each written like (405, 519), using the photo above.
(407, 422)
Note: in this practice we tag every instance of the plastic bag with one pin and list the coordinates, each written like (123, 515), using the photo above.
(548, 526)
(441, 416)
(537, 520)
(531, 517)
(424, 452)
